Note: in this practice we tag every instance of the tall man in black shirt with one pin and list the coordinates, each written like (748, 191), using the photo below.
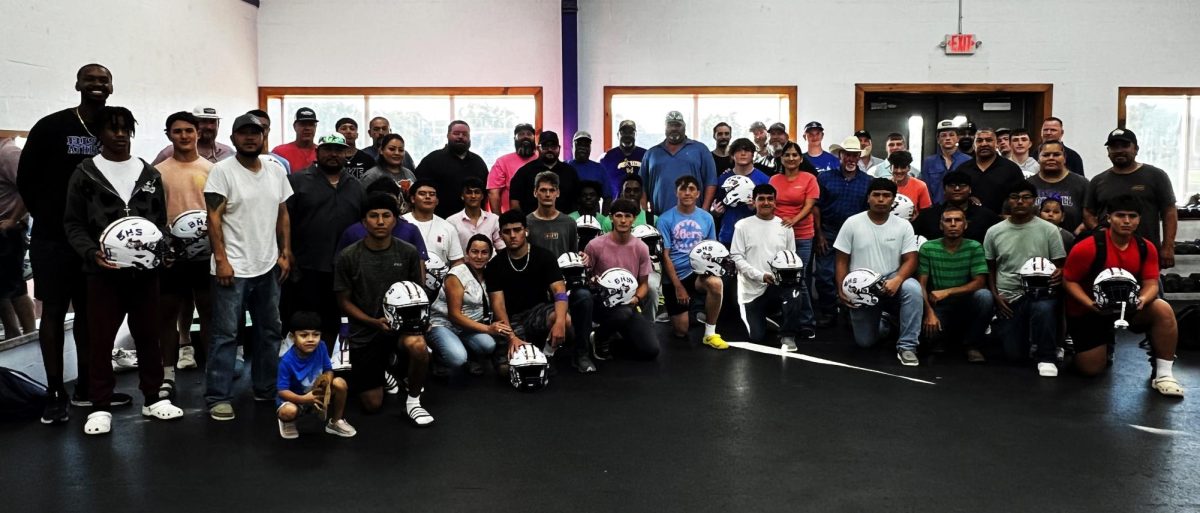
(56, 144)
(449, 166)
(521, 195)
(992, 177)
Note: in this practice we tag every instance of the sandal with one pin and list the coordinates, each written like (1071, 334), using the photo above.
(288, 430)
(1167, 385)
(98, 423)
(167, 389)
(419, 416)
(162, 410)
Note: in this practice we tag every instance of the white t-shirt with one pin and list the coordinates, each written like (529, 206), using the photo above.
(472, 303)
(875, 246)
(251, 212)
(755, 243)
(441, 238)
(122, 175)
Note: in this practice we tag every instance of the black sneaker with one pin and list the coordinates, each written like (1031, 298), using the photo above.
(118, 399)
(602, 350)
(808, 333)
(57, 409)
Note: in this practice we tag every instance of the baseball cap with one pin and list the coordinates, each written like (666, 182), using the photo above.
(956, 178)
(944, 125)
(343, 121)
(306, 114)
(334, 138)
(674, 117)
(862, 133)
(524, 127)
(548, 138)
(247, 120)
(205, 113)
(1121, 134)
(581, 135)
(627, 123)
(777, 126)
(849, 144)
(813, 125)
(1003, 131)
(757, 125)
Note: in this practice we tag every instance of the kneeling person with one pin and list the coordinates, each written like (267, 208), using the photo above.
(461, 317)
(953, 275)
(619, 249)
(306, 382)
(757, 240)
(684, 227)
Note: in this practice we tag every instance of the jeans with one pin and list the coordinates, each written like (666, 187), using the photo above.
(966, 317)
(824, 275)
(650, 307)
(580, 308)
(638, 339)
(453, 348)
(805, 314)
(1034, 321)
(754, 313)
(259, 295)
(864, 320)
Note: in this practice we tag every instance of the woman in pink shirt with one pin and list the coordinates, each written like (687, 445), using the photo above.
(796, 195)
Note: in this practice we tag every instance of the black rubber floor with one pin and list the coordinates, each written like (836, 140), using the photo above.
(698, 430)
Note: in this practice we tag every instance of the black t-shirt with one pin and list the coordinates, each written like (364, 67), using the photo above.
(1074, 162)
(525, 282)
(723, 163)
(56, 145)
(979, 219)
(359, 163)
(447, 171)
(992, 187)
(521, 188)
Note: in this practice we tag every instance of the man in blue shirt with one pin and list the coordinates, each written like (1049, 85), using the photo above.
(947, 159)
(814, 133)
(625, 159)
(588, 170)
(742, 153)
(677, 156)
(843, 194)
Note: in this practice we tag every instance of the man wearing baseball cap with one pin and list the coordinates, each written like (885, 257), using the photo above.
(523, 185)
(585, 167)
(947, 159)
(624, 159)
(357, 161)
(957, 192)
(676, 156)
(866, 161)
(814, 134)
(505, 168)
(759, 132)
(777, 136)
(1149, 184)
(302, 152)
(206, 138)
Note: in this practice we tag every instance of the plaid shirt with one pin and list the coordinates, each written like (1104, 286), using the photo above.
(841, 197)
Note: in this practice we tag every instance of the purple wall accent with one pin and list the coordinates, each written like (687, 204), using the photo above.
(570, 76)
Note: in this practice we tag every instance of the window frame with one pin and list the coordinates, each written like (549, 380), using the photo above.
(695, 92)
(1123, 94)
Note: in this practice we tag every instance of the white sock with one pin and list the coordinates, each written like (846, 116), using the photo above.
(412, 402)
(169, 373)
(1162, 368)
(710, 329)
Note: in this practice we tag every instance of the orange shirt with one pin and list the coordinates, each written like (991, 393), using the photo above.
(790, 196)
(916, 191)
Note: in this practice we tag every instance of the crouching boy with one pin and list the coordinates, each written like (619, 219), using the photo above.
(306, 383)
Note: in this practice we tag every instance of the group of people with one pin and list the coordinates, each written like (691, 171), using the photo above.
(447, 267)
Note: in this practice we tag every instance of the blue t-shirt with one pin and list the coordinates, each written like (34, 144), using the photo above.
(660, 169)
(617, 165)
(404, 231)
(933, 169)
(588, 170)
(734, 214)
(824, 162)
(841, 198)
(297, 373)
(682, 232)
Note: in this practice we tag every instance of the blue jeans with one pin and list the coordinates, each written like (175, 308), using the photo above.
(580, 308)
(966, 318)
(754, 313)
(864, 320)
(452, 348)
(806, 315)
(824, 275)
(259, 295)
(1034, 321)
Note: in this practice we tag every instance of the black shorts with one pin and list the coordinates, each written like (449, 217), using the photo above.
(12, 264)
(183, 277)
(57, 271)
(671, 300)
(368, 363)
(532, 325)
(1094, 330)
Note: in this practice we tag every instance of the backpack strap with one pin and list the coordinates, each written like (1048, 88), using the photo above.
(1101, 258)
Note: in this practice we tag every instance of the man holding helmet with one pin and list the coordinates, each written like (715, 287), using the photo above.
(616, 308)
(760, 242)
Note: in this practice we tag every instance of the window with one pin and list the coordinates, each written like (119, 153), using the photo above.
(1167, 123)
(702, 108)
(421, 115)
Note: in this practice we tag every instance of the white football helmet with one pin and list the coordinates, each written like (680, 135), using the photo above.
(527, 368)
(863, 287)
(588, 227)
(406, 307)
(616, 287)
(787, 268)
(739, 190)
(903, 207)
(132, 242)
(1115, 285)
(435, 273)
(573, 270)
(711, 258)
(190, 231)
(1035, 277)
(652, 238)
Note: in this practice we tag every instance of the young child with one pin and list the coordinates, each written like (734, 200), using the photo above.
(1051, 210)
(299, 369)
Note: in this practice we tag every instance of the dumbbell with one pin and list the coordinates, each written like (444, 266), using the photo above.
(1194, 278)
(1187, 248)
(1172, 283)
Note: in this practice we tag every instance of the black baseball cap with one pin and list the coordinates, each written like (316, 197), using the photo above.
(247, 120)
(780, 127)
(813, 125)
(343, 121)
(1121, 134)
(548, 138)
(956, 178)
(1003, 131)
(862, 133)
(522, 127)
(306, 114)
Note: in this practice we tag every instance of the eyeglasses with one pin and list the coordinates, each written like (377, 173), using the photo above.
(1022, 197)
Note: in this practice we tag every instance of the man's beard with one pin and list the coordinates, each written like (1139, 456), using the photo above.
(459, 148)
(675, 138)
(524, 148)
(776, 148)
(249, 154)
(722, 143)
(627, 141)
(549, 159)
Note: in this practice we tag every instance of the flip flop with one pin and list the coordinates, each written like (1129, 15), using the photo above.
(419, 416)
(1168, 386)
(162, 410)
(98, 423)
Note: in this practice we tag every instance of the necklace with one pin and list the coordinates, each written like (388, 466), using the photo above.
(514, 266)
(80, 118)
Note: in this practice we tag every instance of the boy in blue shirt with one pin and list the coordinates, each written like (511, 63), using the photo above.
(683, 227)
(300, 368)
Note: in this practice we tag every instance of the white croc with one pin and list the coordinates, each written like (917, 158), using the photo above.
(98, 423)
(1168, 386)
(162, 410)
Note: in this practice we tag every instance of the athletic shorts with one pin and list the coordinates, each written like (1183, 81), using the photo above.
(670, 299)
(12, 264)
(1093, 330)
(181, 278)
(368, 363)
(304, 409)
(57, 271)
(532, 325)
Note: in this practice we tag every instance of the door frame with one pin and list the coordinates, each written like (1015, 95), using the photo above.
(1042, 95)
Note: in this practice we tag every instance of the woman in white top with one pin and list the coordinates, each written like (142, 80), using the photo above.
(461, 316)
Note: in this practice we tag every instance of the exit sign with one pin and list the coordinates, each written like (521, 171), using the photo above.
(960, 44)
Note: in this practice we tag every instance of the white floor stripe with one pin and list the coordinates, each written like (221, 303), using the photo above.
(749, 346)
(1159, 431)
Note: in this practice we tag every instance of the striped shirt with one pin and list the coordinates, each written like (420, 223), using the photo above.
(945, 269)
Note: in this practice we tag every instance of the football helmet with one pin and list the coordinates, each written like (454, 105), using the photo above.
(739, 190)
(903, 207)
(1035, 277)
(616, 287)
(527, 368)
(435, 273)
(787, 268)
(190, 233)
(711, 258)
(573, 270)
(406, 307)
(652, 238)
(132, 242)
(588, 227)
(1115, 285)
(863, 287)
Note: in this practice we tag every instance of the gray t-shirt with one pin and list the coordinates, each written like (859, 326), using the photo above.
(1071, 191)
(1010, 245)
(1149, 184)
(367, 274)
(558, 235)
(377, 172)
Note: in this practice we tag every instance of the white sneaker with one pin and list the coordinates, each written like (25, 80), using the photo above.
(1047, 370)
(123, 359)
(789, 344)
(187, 358)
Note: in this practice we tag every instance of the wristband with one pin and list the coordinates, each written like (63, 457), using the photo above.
(561, 296)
